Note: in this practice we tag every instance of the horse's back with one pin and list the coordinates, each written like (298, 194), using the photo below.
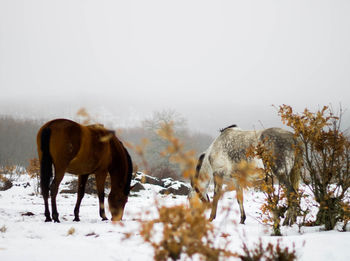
(231, 146)
(234, 143)
(94, 152)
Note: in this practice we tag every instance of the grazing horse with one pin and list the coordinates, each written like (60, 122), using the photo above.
(83, 150)
(222, 157)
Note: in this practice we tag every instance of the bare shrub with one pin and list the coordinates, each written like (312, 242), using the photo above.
(3, 229)
(5, 183)
(269, 252)
(183, 230)
(33, 171)
(326, 160)
(71, 231)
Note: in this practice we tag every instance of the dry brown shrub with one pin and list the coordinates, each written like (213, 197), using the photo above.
(326, 160)
(139, 150)
(83, 116)
(71, 231)
(345, 214)
(269, 252)
(5, 183)
(33, 171)
(8, 173)
(186, 159)
(8, 169)
(33, 168)
(183, 230)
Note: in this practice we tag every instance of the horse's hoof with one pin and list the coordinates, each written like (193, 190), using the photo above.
(56, 220)
(48, 220)
(104, 219)
(76, 219)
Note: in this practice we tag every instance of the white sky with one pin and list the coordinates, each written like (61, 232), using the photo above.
(215, 62)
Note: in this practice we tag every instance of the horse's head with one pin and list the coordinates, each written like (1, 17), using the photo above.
(117, 207)
(121, 181)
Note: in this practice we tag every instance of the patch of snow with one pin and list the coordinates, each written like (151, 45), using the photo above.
(30, 238)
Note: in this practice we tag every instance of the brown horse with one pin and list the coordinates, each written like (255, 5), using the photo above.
(83, 150)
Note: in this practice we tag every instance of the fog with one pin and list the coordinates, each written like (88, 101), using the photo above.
(215, 62)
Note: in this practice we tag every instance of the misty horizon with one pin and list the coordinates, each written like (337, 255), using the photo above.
(215, 63)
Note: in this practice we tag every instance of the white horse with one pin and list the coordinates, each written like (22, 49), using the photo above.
(221, 160)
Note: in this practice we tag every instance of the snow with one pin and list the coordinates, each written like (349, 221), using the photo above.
(25, 237)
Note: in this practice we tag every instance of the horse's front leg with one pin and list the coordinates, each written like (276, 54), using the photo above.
(217, 194)
(100, 184)
(82, 179)
(240, 202)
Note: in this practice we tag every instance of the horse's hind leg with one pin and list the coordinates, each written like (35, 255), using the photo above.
(239, 196)
(82, 179)
(54, 190)
(46, 203)
(217, 195)
(45, 192)
(100, 184)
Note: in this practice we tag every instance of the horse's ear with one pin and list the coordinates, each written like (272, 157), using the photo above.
(112, 132)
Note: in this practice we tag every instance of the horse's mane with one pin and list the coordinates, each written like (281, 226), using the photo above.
(231, 126)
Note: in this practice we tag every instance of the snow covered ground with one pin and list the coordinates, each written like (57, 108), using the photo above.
(28, 237)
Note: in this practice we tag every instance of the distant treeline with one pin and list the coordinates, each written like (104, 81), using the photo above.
(18, 142)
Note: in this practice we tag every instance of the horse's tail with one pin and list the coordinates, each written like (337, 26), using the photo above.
(46, 162)
(196, 179)
(199, 164)
(130, 171)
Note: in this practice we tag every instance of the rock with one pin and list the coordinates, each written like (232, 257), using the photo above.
(180, 190)
(90, 187)
(28, 213)
(168, 182)
(169, 185)
(137, 187)
(143, 178)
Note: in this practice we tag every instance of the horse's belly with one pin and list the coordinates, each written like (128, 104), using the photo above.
(80, 167)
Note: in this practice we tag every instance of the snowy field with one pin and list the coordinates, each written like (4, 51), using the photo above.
(28, 237)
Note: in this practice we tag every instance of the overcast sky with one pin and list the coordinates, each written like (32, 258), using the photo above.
(215, 62)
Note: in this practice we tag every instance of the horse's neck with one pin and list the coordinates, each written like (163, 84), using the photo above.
(118, 162)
